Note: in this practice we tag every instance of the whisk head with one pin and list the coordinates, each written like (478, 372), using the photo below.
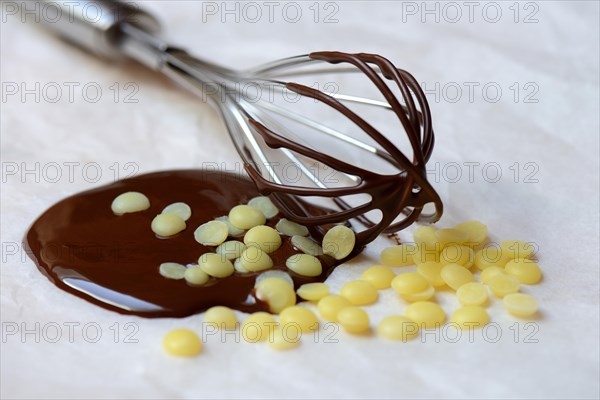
(275, 131)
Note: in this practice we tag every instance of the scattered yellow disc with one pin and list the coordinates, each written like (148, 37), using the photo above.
(503, 284)
(488, 273)
(489, 256)
(196, 276)
(130, 202)
(307, 246)
(420, 296)
(526, 271)
(472, 294)
(425, 314)
(313, 291)
(396, 327)
(423, 254)
(450, 236)
(330, 305)
(353, 319)
(379, 276)
(425, 236)
(166, 225)
(172, 270)
(470, 317)
(264, 237)
(339, 242)
(398, 256)
(179, 208)
(431, 271)
(304, 264)
(457, 254)
(246, 217)
(277, 293)
(409, 283)
(258, 327)
(520, 304)
(302, 317)
(264, 205)
(232, 230)
(456, 275)
(359, 293)
(254, 259)
(290, 228)
(284, 339)
(215, 265)
(475, 230)
(515, 249)
(231, 249)
(212, 233)
(221, 317)
(182, 342)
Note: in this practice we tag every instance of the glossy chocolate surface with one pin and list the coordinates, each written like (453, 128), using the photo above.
(113, 261)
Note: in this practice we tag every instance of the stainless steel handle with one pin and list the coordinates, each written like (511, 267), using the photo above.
(108, 28)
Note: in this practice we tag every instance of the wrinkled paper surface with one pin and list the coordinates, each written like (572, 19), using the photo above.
(55, 345)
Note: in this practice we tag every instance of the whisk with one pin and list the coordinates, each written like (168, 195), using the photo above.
(258, 126)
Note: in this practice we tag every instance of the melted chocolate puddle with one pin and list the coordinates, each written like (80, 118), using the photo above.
(113, 261)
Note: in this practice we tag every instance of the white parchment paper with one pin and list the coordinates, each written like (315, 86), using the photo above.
(540, 133)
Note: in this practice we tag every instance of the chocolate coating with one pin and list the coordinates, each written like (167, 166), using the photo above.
(80, 238)
(406, 192)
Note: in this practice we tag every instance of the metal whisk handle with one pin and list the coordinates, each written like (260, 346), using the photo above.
(108, 28)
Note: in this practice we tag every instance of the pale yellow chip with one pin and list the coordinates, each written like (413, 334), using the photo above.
(307, 246)
(130, 202)
(398, 256)
(254, 259)
(172, 270)
(425, 314)
(264, 237)
(264, 205)
(166, 225)
(432, 271)
(526, 271)
(520, 304)
(182, 343)
(180, 209)
(221, 317)
(456, 275)
(409, 283)
(379, 276)
(212, 233)
(284, 339)
(277, 293)
(232, 230)
(246, 217)
(339, 242)
(470, 317)
(290, 228)
(330, 305)
(304, 264)
(258, 327)
(420, 296)
(196, 276)
(475, 230)
(472, 294)
(396, 327)
(359, 293)
(301, 317)
(354, 319)
(313, 291)
(215, 265)
(425, 236)
(231, 249)
(503, 284)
